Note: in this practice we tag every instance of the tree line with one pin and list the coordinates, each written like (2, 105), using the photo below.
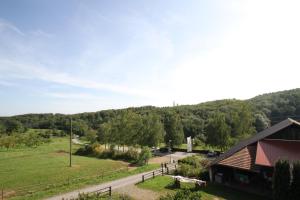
(217, 123)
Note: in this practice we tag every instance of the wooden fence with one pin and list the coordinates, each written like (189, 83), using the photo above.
(165, 169)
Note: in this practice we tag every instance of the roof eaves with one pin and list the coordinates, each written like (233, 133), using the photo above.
(269, 131)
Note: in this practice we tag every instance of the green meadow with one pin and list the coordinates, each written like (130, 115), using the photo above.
(33, 173)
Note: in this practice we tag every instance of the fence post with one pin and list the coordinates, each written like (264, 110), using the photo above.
(2, 193)
(153, 174)
(167, 170)
(143, 178)
(110, 191)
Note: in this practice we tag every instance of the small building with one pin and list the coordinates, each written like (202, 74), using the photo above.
(250, 163)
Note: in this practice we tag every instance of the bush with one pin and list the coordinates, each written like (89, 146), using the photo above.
(281, 180)
(204, 175)
(144, 156)
(188, 170)
(183, 195)
(192, 166)
(84, 196)
(191, 160)
(131, 155)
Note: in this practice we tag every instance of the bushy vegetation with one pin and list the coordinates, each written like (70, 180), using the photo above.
(193, 166)
(102, 197)
(281, 180)
(182, 195)
(295, 185)
(285, 184)
(31, 138)
(131, 155)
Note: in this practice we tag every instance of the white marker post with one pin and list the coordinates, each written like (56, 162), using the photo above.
(189, 144)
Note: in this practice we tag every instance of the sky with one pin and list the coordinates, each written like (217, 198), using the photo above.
(85, 56)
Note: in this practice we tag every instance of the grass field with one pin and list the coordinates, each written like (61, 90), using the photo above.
(44, 171)
(163, 185)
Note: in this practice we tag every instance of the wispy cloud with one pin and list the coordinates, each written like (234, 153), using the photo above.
(33, 71)
(5, 25)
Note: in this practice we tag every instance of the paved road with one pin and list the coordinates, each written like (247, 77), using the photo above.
(130, 180)
(115, 184)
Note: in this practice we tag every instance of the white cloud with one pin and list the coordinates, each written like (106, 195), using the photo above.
(34, 71)
(260, 55)
(5, 25)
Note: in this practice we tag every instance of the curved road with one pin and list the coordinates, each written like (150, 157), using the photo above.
(115, 184)
(130, 180)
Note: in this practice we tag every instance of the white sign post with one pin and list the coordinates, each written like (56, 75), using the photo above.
(189, 144)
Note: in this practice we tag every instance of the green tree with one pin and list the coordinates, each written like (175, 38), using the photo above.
(104, 133)
(144, 156)
(261, 122)
(152, 131)
(218, 132)
(91, 135)
(174, 129)
(193, 126)
(79, 127)
(295, 186)
(13, 125)
(281, 180)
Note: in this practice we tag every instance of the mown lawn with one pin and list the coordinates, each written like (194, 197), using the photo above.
(163, 185)
(44, 171)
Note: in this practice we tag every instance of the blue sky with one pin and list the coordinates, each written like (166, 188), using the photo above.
(79, 56)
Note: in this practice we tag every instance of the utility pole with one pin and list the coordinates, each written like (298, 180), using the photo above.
(71, 143)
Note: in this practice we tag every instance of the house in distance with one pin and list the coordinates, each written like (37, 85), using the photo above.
(250, 164)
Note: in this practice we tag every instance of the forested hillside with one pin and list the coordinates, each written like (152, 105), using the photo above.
(218, 123)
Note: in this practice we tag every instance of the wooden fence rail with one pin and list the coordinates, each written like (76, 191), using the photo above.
(166, 169)
(102, 191)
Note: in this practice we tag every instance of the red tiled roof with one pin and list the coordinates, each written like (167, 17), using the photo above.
(259, 136)
(270, 151)
(243, 159)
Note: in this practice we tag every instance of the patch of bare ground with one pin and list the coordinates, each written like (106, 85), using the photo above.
(138, 193)
(59, 153)
(160, 159)
(8, 193)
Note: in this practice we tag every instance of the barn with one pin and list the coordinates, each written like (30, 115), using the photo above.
(250, 164)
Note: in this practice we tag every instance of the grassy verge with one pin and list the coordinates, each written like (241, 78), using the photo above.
(202, 147)
(163, 185)
(43, 171)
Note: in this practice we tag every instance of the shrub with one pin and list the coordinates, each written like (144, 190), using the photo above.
(183, 195)
(192, 160)
(281, 180)
(188, 170)
(204, 175)
(144, 156)
(132, 154)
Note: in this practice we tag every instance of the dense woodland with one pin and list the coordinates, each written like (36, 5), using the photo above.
(219, 123)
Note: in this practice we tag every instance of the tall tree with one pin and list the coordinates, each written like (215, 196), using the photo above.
(218, 132)
(295, 186)
(104, 133)
(281, 180)
(174, 129)
(152, 131)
